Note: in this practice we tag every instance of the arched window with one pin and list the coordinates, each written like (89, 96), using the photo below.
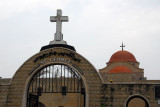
(137, 101)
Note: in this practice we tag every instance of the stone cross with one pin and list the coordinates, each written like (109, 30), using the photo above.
(122, 46)
(58, 19)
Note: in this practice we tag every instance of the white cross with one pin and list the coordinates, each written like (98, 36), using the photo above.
(59, 19)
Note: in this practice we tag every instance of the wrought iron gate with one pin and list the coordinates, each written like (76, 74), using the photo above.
(33, 100)
(57, 78)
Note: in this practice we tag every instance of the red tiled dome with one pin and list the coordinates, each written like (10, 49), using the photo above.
(122, 56)
(120, 69)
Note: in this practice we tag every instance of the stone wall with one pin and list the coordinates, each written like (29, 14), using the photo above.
(56, 100)
(5, 80)
(116, 94)
(3, 95)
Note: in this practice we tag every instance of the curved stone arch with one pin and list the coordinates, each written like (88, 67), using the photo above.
(45, 65)
(91, 78)
(137, 96)
(59, 48)
(28, 81)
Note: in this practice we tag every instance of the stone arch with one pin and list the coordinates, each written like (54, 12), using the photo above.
(45, 65)
(138, 96)
(91, 77)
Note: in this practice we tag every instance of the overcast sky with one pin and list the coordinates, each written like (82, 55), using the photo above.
(96, 28)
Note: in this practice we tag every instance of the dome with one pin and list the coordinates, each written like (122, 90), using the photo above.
(120, 69)
(122, 56)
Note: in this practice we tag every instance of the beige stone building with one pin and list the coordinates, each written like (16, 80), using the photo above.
(123, 73)
(58, 76)
(122, 67)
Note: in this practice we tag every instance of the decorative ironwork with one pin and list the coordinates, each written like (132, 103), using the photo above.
(57, 78)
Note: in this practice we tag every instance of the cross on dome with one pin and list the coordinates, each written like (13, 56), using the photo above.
(58, 37)
(122, 46)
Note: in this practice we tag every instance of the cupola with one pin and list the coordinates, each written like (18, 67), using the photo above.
(122, 56)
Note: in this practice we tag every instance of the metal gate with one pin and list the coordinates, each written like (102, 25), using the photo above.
(56, 78)
(33, 100)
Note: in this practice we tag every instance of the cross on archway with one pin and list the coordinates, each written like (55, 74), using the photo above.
(58, 19)
(122, 46)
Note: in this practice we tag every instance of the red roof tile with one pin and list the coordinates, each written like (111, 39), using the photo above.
(122, 56)
(120, 69)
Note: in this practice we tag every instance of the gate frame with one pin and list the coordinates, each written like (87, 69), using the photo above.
(29, 80)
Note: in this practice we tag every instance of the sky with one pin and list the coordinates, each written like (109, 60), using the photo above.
(96, 28)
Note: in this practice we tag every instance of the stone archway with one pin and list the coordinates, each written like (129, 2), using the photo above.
(57, 85)
(137, 100)
(19, 84)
